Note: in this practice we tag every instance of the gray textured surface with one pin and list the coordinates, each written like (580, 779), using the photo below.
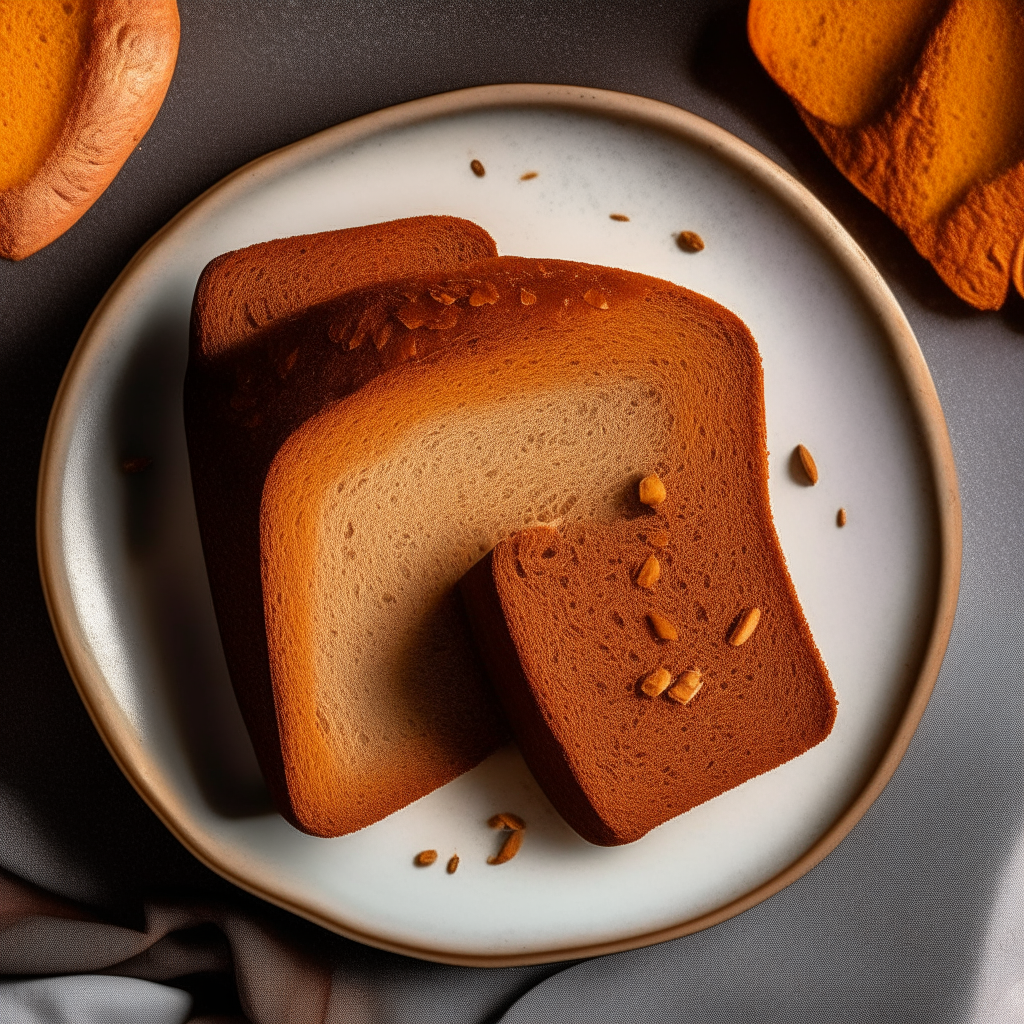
(916, 916)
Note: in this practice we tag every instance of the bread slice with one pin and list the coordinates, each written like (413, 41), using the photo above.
(568, 620)
(242, 292)
(353, 462)
(233, 434)
(921, 106)
(80, 84)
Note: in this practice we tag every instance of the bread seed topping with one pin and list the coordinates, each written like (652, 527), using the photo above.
(649, 573)
(656, 683)
(663, 629)
(686, 687)
(745, 626)
(652, 491)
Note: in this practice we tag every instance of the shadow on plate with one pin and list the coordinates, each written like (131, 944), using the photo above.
(165, 554)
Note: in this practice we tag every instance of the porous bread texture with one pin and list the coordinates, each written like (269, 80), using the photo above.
(80, 83)
(41, 46)
(381, 442)
(233, 433)
(562, 623)
(243, 291)
(371, 513)
(842, 59)
(921, 106)
(409, 427)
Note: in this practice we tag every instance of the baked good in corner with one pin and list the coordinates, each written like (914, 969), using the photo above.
(920, 104)
(81, 81)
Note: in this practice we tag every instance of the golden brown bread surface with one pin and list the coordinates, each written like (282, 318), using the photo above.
(83, 118)
(563, 622)
(921, 106)
(233, 436)
(352, 462)
(496, 400)
(242, 292)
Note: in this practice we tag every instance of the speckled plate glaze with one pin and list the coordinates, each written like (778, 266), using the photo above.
(126, 584)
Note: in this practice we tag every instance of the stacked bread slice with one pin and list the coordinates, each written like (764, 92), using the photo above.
(652, 661)
(358, 446)
(244, 396)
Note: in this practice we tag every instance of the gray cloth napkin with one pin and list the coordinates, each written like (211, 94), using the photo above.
(88, 999)
(284, 974)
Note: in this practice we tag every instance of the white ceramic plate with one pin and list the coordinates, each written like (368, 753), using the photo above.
(126, 583)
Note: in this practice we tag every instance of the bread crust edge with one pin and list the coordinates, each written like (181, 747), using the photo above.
(130, 57)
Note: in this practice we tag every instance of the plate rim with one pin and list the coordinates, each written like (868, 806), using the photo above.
(120, 737)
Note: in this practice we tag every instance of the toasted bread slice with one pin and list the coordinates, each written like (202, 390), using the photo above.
(571, 622)
(232, 443)
(491, 400)
(357, 459)
(244, 291)
(80, 84)
(386, 440)
(921, 106)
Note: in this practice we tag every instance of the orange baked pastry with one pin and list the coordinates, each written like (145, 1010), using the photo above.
(921, 105)
(80, 83)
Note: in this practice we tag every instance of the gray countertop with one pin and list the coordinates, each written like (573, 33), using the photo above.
(918, 915)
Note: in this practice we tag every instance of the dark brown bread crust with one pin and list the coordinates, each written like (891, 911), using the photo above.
(244, 291)
(234, 426)
(562, 623)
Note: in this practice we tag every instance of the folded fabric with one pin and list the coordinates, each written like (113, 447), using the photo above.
(278, 981)
(88, 999)
(921, 105)
(286, 971)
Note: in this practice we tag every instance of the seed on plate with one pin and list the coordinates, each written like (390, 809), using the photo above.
(507, 820)
(509, 848)
(689, 241)
(807, 463)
